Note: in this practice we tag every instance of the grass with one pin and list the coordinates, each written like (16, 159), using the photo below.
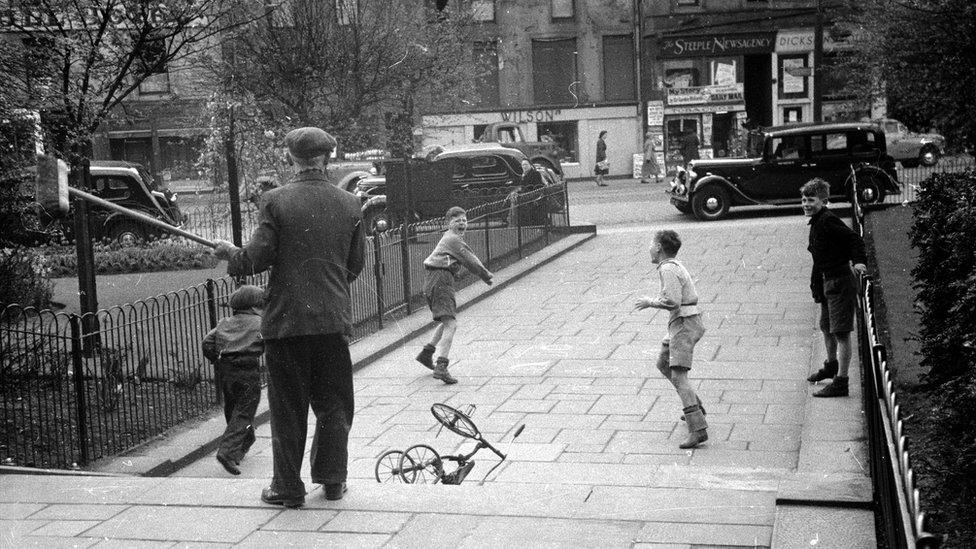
(893, 258)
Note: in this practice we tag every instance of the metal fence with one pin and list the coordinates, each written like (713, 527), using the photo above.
(74, 389)
(912, 178)
(900, 521)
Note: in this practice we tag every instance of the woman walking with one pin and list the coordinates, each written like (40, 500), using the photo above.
(602, 166)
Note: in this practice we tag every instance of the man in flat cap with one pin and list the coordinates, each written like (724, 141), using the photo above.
(310, 234)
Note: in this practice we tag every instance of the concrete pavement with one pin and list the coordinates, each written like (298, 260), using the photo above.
(560, 350)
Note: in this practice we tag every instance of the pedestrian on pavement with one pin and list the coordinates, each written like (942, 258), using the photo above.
(310, 235)
(602, 166)
(442, 267)
(689, 146)
(834, 246)
(679, 297)
(650, 166)
(235, 347)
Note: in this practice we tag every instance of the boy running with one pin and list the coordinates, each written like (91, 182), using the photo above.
(685, 328)
(442, 267)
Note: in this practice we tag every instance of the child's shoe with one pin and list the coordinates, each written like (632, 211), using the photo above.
(441, 373)
(229, 464)
(426, 356)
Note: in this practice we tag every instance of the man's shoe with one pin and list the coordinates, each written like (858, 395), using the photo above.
(333, 492)
(229, 465)
(836, 388)
(828, 371)
(272, 497)
(426, 357)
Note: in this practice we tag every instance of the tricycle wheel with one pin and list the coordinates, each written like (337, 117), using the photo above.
(388, 467)
(456, 421)
(421, 464)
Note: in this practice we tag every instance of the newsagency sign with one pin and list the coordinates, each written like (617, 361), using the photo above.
(716, 45)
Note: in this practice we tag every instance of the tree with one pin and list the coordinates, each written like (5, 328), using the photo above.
(359, 69)
(921, 54)
(74, 61)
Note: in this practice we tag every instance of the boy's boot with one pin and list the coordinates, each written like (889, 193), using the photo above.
(836, 388)
(441, 373)
(426, 356)
(828, 371)
(696, 427)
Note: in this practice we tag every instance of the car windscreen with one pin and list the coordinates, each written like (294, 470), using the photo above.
(147, 177)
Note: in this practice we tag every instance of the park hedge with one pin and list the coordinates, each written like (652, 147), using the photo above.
(944, 233)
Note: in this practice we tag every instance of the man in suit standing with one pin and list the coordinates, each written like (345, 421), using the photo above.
(310, 235)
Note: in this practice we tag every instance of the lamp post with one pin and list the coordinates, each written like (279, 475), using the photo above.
(818, 35)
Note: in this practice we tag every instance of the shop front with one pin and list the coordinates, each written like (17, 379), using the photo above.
(574, 130)
(713, 88)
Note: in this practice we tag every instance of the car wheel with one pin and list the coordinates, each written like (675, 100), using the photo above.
(710, 203)
(929, 157)
(376, 220)
(126, 233)
(869, 190)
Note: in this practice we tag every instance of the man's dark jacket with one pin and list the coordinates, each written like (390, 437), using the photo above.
(310, 234)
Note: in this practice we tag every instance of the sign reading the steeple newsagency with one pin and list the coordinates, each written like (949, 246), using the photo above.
(717, 45)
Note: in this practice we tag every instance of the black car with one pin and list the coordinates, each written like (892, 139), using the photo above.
(780, 160)
(125, 183)
(479, 173)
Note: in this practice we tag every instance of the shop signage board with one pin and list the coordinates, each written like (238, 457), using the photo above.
(717, 45)
(801, 41)
(705, 94)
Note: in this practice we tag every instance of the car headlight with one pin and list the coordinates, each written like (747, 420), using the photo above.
(690, 175)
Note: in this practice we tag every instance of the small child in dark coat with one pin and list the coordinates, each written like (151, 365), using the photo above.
(235, 346)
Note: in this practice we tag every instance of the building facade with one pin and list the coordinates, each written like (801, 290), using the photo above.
(568, 69)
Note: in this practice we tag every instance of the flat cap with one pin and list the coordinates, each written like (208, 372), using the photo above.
(246, 297)
(309, 142)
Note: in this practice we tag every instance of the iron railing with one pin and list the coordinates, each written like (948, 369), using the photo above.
(900, 521)
(74, 389)
(912, 178)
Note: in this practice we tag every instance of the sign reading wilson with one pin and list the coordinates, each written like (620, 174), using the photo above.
(718, 44)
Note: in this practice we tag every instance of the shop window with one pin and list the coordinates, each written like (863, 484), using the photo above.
(618, 68)
(554, 77)
(675, 131)
(486, 85)
(680, 73)
(686, 3)
(563, 134)
(723, 72)
(562, 9)
(793, 76)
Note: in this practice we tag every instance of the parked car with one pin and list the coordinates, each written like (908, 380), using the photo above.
(479, 172)
(541, 153)
(124, 183)
(911, 148)
(780, 160)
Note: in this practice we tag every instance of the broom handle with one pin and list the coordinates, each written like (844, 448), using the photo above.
(149, 220)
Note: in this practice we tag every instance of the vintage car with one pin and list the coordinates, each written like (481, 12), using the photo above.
(911, 148)
(479, 173)
(125, 183)
(780, 160)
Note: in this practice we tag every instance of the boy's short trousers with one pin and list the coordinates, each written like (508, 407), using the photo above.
(837, 307)
(683, 333)
(439, 291)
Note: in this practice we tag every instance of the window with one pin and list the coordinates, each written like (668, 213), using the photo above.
(487, 166)
(687, 2)
(790, 147)
(563, 134)
(792, 114)
(680, 73)
(829, 144)
(793, 76)
(483, 10)
(562, 9)
(486, 85)
(723, 72)
(618, 68)
(155, 84)
(554, 77)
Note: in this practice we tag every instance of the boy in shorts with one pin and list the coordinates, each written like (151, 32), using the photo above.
(834, 246)
(235, 346)
(685, 328)
(442, 267)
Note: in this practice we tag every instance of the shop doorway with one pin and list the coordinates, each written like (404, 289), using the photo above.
(724, 134)
(675, 129)
(758, 88)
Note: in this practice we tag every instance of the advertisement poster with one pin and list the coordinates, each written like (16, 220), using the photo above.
(655, 113)
(792, 84)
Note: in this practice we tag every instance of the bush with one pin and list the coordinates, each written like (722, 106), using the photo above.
(111, 258)
(24, 278)
(944, 230)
